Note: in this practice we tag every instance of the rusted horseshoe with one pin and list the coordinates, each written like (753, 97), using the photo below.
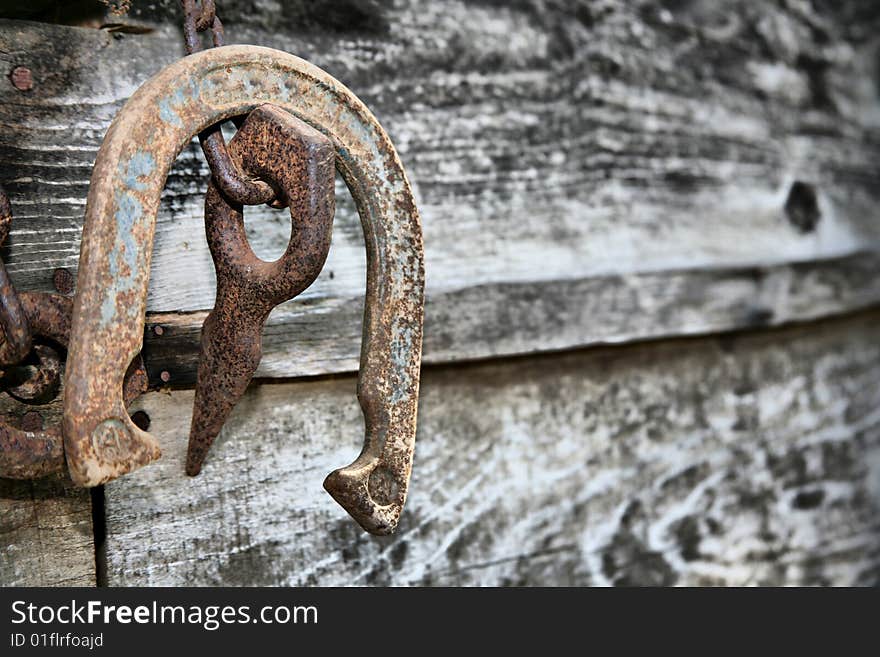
(31, 454)
(100, 440)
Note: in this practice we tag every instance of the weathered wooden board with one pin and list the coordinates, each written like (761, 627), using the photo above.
(586, 173)
(744, 459)
(476, 322)
(46, 533)
(46, 536)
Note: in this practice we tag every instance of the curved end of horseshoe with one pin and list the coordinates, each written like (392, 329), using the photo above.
(101, 446)
(371, 492)
(114, 447)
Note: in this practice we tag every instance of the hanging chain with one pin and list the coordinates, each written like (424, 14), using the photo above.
(235, 185)
(199, 19)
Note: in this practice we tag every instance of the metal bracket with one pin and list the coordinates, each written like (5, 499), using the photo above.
(100, 440)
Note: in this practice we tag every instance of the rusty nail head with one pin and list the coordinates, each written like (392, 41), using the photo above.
(158, 330)
(22, 78)
(165, 375)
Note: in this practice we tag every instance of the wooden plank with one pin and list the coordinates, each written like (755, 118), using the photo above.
(555, 315)
(743, 459)
(643, 157)
(46, 534)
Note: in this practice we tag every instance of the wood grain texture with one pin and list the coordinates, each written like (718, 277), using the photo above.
(743, 459)
(46, 536)
(46, 533)
(551, 315)
(563, 153)
(589, 173)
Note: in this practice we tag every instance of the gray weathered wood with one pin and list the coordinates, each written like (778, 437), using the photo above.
(476, 322)
(568, 155)
(588, 173)
(46, 536)
(750, 459)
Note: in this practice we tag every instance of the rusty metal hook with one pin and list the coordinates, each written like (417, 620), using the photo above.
(16, 332)
(28, 454)
(100, 440)
(299, 160)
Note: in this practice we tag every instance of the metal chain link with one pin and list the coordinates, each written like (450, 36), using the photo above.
(234, 184)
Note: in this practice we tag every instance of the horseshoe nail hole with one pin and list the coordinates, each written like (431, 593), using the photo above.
(802, 207)
(383, 487)
(141, 420)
